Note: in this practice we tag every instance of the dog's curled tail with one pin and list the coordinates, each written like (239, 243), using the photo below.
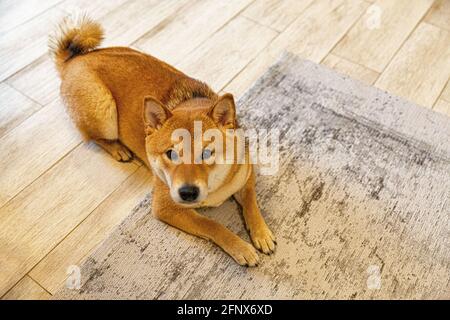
(74, 36)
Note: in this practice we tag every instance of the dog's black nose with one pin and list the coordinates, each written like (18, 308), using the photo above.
(189, 193)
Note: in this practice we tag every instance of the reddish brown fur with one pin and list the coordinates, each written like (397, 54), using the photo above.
(104, 91)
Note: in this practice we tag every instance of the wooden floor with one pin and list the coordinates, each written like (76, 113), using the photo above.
(59, 197)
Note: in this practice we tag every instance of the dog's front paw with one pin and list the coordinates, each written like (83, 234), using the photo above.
(243, 253)
(263, 239)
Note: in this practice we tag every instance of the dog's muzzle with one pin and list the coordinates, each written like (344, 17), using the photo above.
(189, 193)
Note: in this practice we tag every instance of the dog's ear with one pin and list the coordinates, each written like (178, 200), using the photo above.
(223, 112)
(155, 114)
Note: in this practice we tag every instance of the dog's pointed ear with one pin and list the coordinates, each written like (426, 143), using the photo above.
(155, 114)
(223, 112)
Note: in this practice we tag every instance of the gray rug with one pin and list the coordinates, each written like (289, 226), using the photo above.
(360, 205)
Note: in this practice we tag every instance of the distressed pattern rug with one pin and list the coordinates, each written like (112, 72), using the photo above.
(360, 205)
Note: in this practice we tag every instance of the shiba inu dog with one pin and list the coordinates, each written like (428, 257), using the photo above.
(130, 103)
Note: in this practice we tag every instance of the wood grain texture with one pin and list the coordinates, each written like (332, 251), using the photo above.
(373, 46)
(442, 106)
(222, 56)
(39, 217)
(96, 9)
(311, 36)
(407, 75)
(196, 22)
(39, 80)
(276, 14)
(350, 69)
(14, 108)
(126, 23)
(28, 41)
(51, 271)
(446, 92)
(13, 13)
(27, 289)
(33, 147)
(439, 15)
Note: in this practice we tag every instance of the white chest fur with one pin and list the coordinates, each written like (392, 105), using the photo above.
(218, 196)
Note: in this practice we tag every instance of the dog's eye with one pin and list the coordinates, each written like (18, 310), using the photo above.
(206, 154)
(172, 155)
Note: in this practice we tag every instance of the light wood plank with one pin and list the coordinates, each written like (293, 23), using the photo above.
(246, 77)
(311, 36)
(27, 289)
(33, 147)
(375, 47)
(442, 106)
(223, 55)
(350, 69)
(14, 108)
(409, 76)
(39, 80)
(446, 92)
(274, 13)
(127, 23)
(51, 271)
(27, 42)
(39, 217)
(14, 13)
(96, 9)
(439, 15)
(183, 31)
(319, 28)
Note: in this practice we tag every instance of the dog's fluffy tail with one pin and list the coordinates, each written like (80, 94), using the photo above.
(74, 36)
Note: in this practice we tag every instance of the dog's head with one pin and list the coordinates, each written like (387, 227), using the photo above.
(181, 157)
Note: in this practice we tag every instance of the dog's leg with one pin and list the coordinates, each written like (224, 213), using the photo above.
(188, 220)
(94, 111)
(262, 237)
(116, 149)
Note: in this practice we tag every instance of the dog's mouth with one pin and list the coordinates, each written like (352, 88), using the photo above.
(188, 204)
